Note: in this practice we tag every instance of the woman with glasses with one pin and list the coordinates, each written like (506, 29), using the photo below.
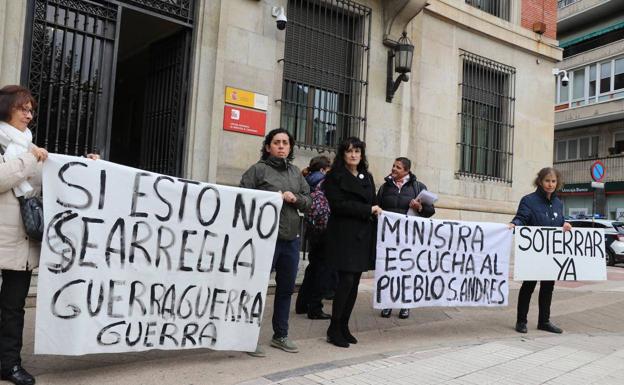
(20, 176)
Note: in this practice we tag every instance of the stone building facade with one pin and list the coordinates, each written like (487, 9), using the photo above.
(475, 116)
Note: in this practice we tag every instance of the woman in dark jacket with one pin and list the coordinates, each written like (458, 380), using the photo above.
(310, 296)
(398, 194)
(274, 172)
(540, 208)
(351, 232)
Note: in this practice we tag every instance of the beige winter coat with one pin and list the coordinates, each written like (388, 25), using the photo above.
(17, 251)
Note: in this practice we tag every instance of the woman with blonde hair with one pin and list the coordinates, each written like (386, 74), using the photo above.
(540, 208)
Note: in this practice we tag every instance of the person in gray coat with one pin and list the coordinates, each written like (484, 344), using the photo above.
(275, 172)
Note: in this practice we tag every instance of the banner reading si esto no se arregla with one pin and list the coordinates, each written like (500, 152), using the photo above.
(133, 260)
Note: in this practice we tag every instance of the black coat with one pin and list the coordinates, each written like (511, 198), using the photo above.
(351, 231)
(390, 198)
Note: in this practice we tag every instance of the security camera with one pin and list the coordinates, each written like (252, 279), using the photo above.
(278, 13)
(565, 80)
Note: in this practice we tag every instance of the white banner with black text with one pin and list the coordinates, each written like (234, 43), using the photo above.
(551, 254)
(132, 260)
(429, 262)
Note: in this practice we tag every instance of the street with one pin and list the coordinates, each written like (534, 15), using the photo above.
(435, 345)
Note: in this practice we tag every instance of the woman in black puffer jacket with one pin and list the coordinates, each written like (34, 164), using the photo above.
(398, 194)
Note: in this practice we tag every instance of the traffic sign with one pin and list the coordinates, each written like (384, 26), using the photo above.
(598, 171)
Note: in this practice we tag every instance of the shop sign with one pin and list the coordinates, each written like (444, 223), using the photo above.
(576, 188)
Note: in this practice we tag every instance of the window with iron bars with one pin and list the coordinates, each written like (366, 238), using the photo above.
(487, 119)
(565, 3)
(326, 63)
(498, 8)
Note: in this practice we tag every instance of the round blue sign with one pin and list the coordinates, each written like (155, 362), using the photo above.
(597, 171)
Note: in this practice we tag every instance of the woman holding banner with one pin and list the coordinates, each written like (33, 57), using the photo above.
(275, 172)
(540, 208)
(398, 194)
(20, 176)
(350, 237)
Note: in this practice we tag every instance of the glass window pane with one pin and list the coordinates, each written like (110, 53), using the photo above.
(619, 141)
(584, 148)
(605, 77)
(592, 80)
(578, 88)
(573, 149)
(619, 74)
(561, 150)
(594, 144)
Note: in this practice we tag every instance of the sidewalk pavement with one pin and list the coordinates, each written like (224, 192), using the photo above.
(435, 345)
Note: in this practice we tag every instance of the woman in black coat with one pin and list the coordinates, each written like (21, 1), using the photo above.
(351, 232)
(540, 208)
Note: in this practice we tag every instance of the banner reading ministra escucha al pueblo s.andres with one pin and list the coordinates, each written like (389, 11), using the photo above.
(133, 260)
(428, 262)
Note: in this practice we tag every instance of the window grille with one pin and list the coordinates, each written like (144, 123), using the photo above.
(178, 9)
(487, 119)
(71, 56)
(326, 64)
(565, 3)
(498, 8)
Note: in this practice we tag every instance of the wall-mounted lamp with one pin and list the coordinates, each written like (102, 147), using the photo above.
(401, 54)
(564, 76)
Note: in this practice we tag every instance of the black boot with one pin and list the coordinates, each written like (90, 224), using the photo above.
(344, 328)
(385, 313)
(18, 376)
(334, 336)
(319, 314)
(549, 327)
(521, 327)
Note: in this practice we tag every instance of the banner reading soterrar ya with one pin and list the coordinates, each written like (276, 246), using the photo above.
(133, 260)
(427, 262)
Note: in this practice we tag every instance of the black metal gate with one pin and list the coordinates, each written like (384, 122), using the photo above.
(163, 113)
(71, 57)
(70, 73)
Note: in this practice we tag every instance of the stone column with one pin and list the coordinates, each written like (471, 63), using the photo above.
(201, 159)
(12, 34)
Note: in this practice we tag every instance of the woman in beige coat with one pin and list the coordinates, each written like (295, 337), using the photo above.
(20, 175)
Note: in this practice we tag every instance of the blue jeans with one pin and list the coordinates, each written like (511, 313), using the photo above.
(285, 263)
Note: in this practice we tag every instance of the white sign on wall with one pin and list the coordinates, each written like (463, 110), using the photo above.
(427, 262)
(551, 254)
(576, 211)
(133, 260)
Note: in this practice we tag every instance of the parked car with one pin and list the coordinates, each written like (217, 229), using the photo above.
(614, 236)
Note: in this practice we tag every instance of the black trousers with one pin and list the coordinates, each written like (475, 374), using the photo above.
(13, 294)
(545, 298)
(310, 296)
(346, 295)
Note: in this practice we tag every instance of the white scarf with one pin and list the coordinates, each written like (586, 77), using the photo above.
(15, 143)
